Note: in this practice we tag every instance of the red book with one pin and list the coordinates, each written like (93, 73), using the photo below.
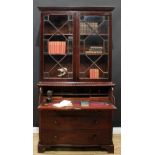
(51, 47)
(61, 47)
(55, 46)
(58, 47)
(64, 47)
(48, 47)
(91, 73)
(94, 73)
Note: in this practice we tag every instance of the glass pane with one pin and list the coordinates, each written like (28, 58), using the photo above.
(58, 46)
(94, 47)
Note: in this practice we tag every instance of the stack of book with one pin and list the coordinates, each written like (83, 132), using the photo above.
(94, 73)
(95, 50)
(88, 27)
(56, 47)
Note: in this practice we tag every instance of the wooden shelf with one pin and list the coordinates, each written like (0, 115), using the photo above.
(78, 94)
(76, 8)
(82, 54)
(68, 54)
(96, 34)
(65, 34)
(94, 54)
(79, 84)
(70, 34)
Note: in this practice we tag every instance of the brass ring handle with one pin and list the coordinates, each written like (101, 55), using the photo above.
(95, 121)
(94, 136)
(55, 122)
(55, 137)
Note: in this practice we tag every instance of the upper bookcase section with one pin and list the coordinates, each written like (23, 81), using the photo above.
(76, 44)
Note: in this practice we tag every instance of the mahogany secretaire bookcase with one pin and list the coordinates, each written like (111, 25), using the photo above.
(76, 65)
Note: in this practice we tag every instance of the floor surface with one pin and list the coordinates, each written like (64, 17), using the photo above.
(116, 141)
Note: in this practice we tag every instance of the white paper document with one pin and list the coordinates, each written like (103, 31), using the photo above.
(63, 104)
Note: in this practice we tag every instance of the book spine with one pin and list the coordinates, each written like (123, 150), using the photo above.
(65, 47)
(54, 52)
(96, 73)
(61, 47)
(90, 73)
(48, 47)
(53, 47)
(56, 45)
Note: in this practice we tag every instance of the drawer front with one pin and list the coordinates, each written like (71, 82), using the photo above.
(75, 122)
(77, 137)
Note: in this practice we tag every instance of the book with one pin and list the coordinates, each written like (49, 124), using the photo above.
(94, 73)
(56, 47)
(84, 103)
(88, 27)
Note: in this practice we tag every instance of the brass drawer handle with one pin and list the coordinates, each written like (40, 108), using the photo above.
(55, 122)
(94, 136)
(95, 122)
(55, 137)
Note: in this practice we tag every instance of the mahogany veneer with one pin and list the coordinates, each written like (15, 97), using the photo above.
(76, 126)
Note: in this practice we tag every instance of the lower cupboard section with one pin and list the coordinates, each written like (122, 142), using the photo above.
(76, 137)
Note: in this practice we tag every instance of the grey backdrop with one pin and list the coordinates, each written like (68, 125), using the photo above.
(116, 72)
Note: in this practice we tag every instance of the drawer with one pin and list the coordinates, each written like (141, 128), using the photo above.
(76, 137)
(61, 122)
(93, 113)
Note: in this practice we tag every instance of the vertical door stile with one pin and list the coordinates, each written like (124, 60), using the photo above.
(76, 46)
(110, 47)
(41, 47)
